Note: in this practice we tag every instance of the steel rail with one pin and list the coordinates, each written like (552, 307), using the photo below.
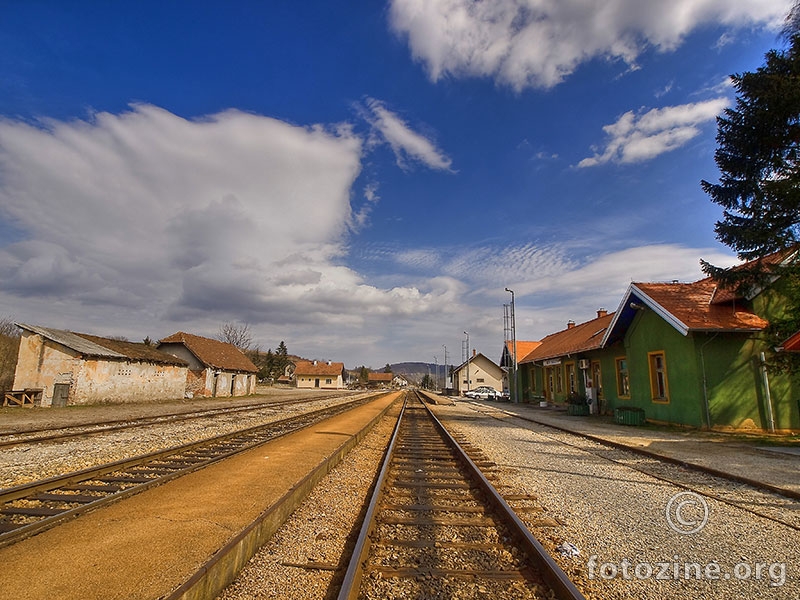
(563, 588)
(352, 576)
(703, 470)
(185, 459)
(100, 427)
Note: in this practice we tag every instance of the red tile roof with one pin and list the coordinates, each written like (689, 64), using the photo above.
(725, 295)
(793, 343)
(213, 353)
(380, 377)
(572, 340)
(690, 304)
(306, 367)
(523, 347)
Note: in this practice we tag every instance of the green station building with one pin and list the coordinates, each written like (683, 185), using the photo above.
(691, 354)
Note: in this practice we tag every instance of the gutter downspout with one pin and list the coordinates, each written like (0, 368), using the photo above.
(767, 395)
(705, 380)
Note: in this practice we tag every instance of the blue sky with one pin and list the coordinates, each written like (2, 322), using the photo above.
(361, 180)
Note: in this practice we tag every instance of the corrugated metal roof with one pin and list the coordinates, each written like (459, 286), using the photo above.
(92, 346)
(73, 341)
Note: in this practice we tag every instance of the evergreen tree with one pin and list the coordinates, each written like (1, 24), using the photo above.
(387, 368)
(281, 358)
(268, 366)
(363, 375)
(758, 156)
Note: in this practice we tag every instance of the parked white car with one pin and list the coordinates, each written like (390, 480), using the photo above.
(483, 392)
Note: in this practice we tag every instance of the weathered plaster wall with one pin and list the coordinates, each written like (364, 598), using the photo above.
(102, 381)
(40, 365)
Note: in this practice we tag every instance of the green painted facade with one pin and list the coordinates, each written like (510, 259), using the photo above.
(712, 379)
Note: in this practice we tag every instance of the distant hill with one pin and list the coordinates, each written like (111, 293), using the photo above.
(414, 372)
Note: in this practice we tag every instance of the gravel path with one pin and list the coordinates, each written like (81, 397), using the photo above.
(616, 518)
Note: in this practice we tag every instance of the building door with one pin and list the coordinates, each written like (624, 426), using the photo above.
(316, 383)
(60, 394)
(233, 385)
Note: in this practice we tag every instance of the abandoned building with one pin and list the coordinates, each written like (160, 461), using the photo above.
(215, 368)
(75, 368)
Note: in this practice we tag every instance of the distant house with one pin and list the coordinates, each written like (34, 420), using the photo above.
(475, 372)
(319, 374)
(216, 368)
(379, 379)
(399, 381)
(76, 368)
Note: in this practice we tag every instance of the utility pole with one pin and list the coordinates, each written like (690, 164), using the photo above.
(468, 357)
(444, 371)
(514, 392)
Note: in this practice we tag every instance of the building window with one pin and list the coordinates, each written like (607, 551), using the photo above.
(328, 381)
(659, 391)
(623, 382)
(480, 380)
(572, 382)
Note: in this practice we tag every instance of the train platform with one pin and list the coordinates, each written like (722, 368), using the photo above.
(151, 544)
(763, 459)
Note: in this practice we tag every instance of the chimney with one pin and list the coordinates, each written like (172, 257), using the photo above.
(602, 313)
(570, 324)
(315, 363)
(329, 363)
(474, 352)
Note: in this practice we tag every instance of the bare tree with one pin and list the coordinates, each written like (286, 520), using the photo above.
(9, 349)
(237, 334)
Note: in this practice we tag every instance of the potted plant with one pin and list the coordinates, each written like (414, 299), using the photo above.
(577, 405)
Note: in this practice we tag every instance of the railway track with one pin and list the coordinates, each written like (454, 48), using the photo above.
(55, 434)
(758, 499)
(436, 527)
(33, 507)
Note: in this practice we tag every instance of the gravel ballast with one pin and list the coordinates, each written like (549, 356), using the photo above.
(615, 517)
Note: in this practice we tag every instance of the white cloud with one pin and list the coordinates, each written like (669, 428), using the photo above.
(154, 220)
(405, 143)
(538, 43)
(637, 138)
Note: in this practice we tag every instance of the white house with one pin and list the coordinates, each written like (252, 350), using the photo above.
(318, 374)
(475, 372)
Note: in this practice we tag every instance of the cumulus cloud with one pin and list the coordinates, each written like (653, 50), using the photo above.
(538, 43)
(637, 138)
(232, 216)
(407, 144)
